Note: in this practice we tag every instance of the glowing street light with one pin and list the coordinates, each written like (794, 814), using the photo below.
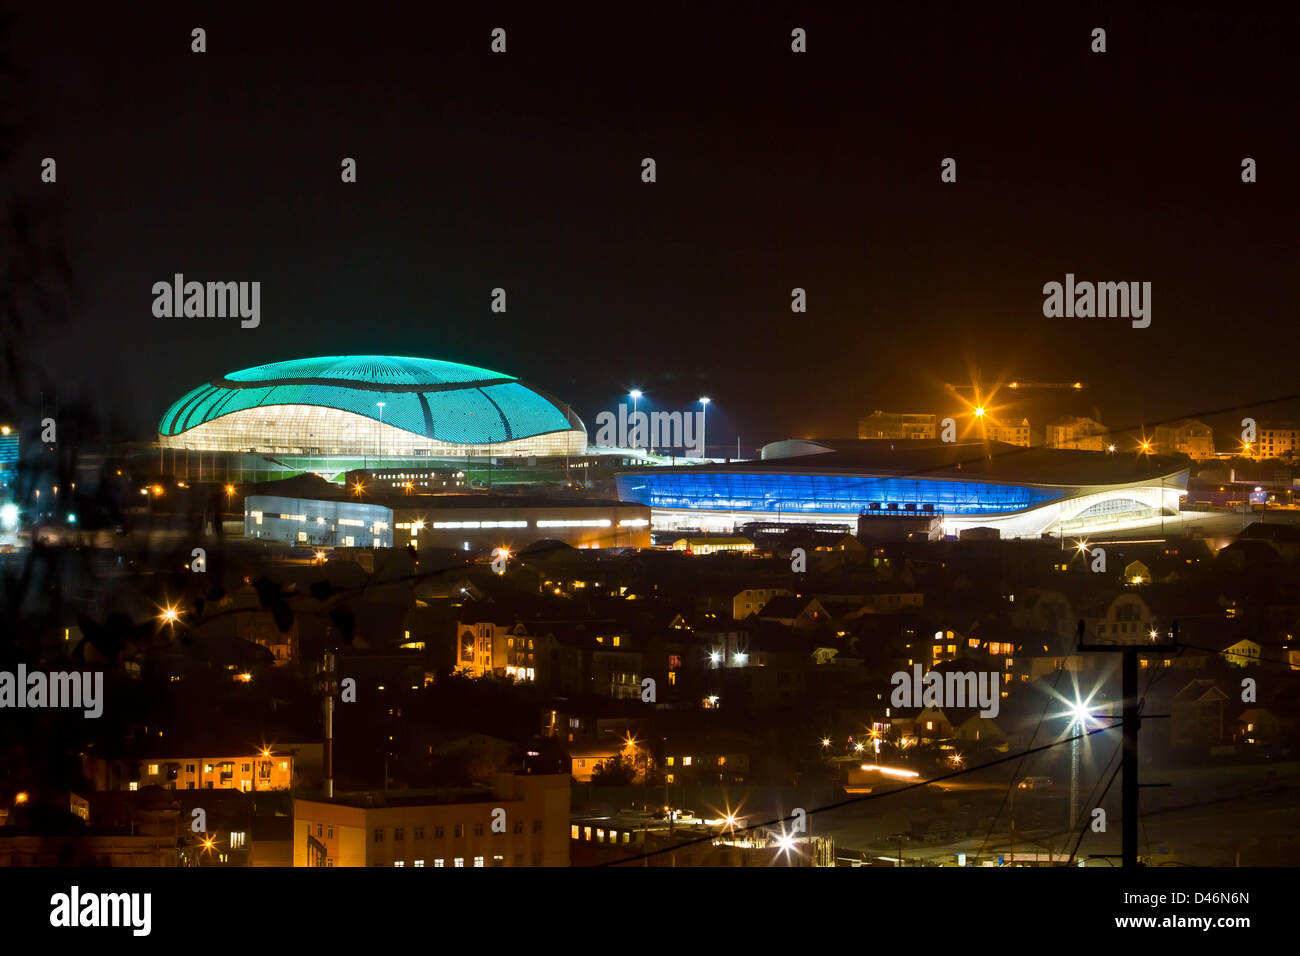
(979, 411)
(169, 615)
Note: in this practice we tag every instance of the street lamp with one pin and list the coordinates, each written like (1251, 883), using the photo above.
(1079, 718)
(704, 422)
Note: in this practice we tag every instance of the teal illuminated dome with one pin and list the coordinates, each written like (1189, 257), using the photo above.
(378, 405)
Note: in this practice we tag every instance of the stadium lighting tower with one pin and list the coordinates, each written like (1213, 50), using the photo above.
(704, 422)
(635, 395)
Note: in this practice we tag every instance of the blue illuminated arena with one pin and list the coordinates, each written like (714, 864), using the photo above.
(1019, 491)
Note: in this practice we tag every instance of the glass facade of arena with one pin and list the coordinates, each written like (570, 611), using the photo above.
(825, 494)
(312, 430)
(384, 406)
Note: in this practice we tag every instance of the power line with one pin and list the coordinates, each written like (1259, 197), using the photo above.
(861, 799)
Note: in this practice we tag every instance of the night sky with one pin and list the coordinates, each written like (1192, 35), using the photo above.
(775, 170)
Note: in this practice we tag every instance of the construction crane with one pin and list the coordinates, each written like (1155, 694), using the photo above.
(984, 388)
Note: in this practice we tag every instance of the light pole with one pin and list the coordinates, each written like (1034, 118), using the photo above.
(704, 422)
(1078, 726)
(635, 394)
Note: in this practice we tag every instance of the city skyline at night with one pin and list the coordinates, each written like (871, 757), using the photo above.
(567, 440)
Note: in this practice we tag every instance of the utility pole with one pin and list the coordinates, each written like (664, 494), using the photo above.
(328, 687)
(1130, 723)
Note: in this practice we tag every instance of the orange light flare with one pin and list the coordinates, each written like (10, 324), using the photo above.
(982, 410)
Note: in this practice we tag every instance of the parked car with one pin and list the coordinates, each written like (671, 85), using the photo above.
(1036, 783)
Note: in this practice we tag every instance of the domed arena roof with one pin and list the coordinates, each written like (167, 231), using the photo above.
(440, 401)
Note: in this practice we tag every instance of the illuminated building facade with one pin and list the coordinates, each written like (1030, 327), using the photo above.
(487, 648)
(386, 407)
(1277, 440)
(1020, 492)
(463, 522)
(1010, 432)
(261, 770)
(1185, 437)
(897, 425)
(439, 830)
(1080, 434)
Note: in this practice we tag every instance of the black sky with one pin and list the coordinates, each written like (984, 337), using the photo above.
(775, 170)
